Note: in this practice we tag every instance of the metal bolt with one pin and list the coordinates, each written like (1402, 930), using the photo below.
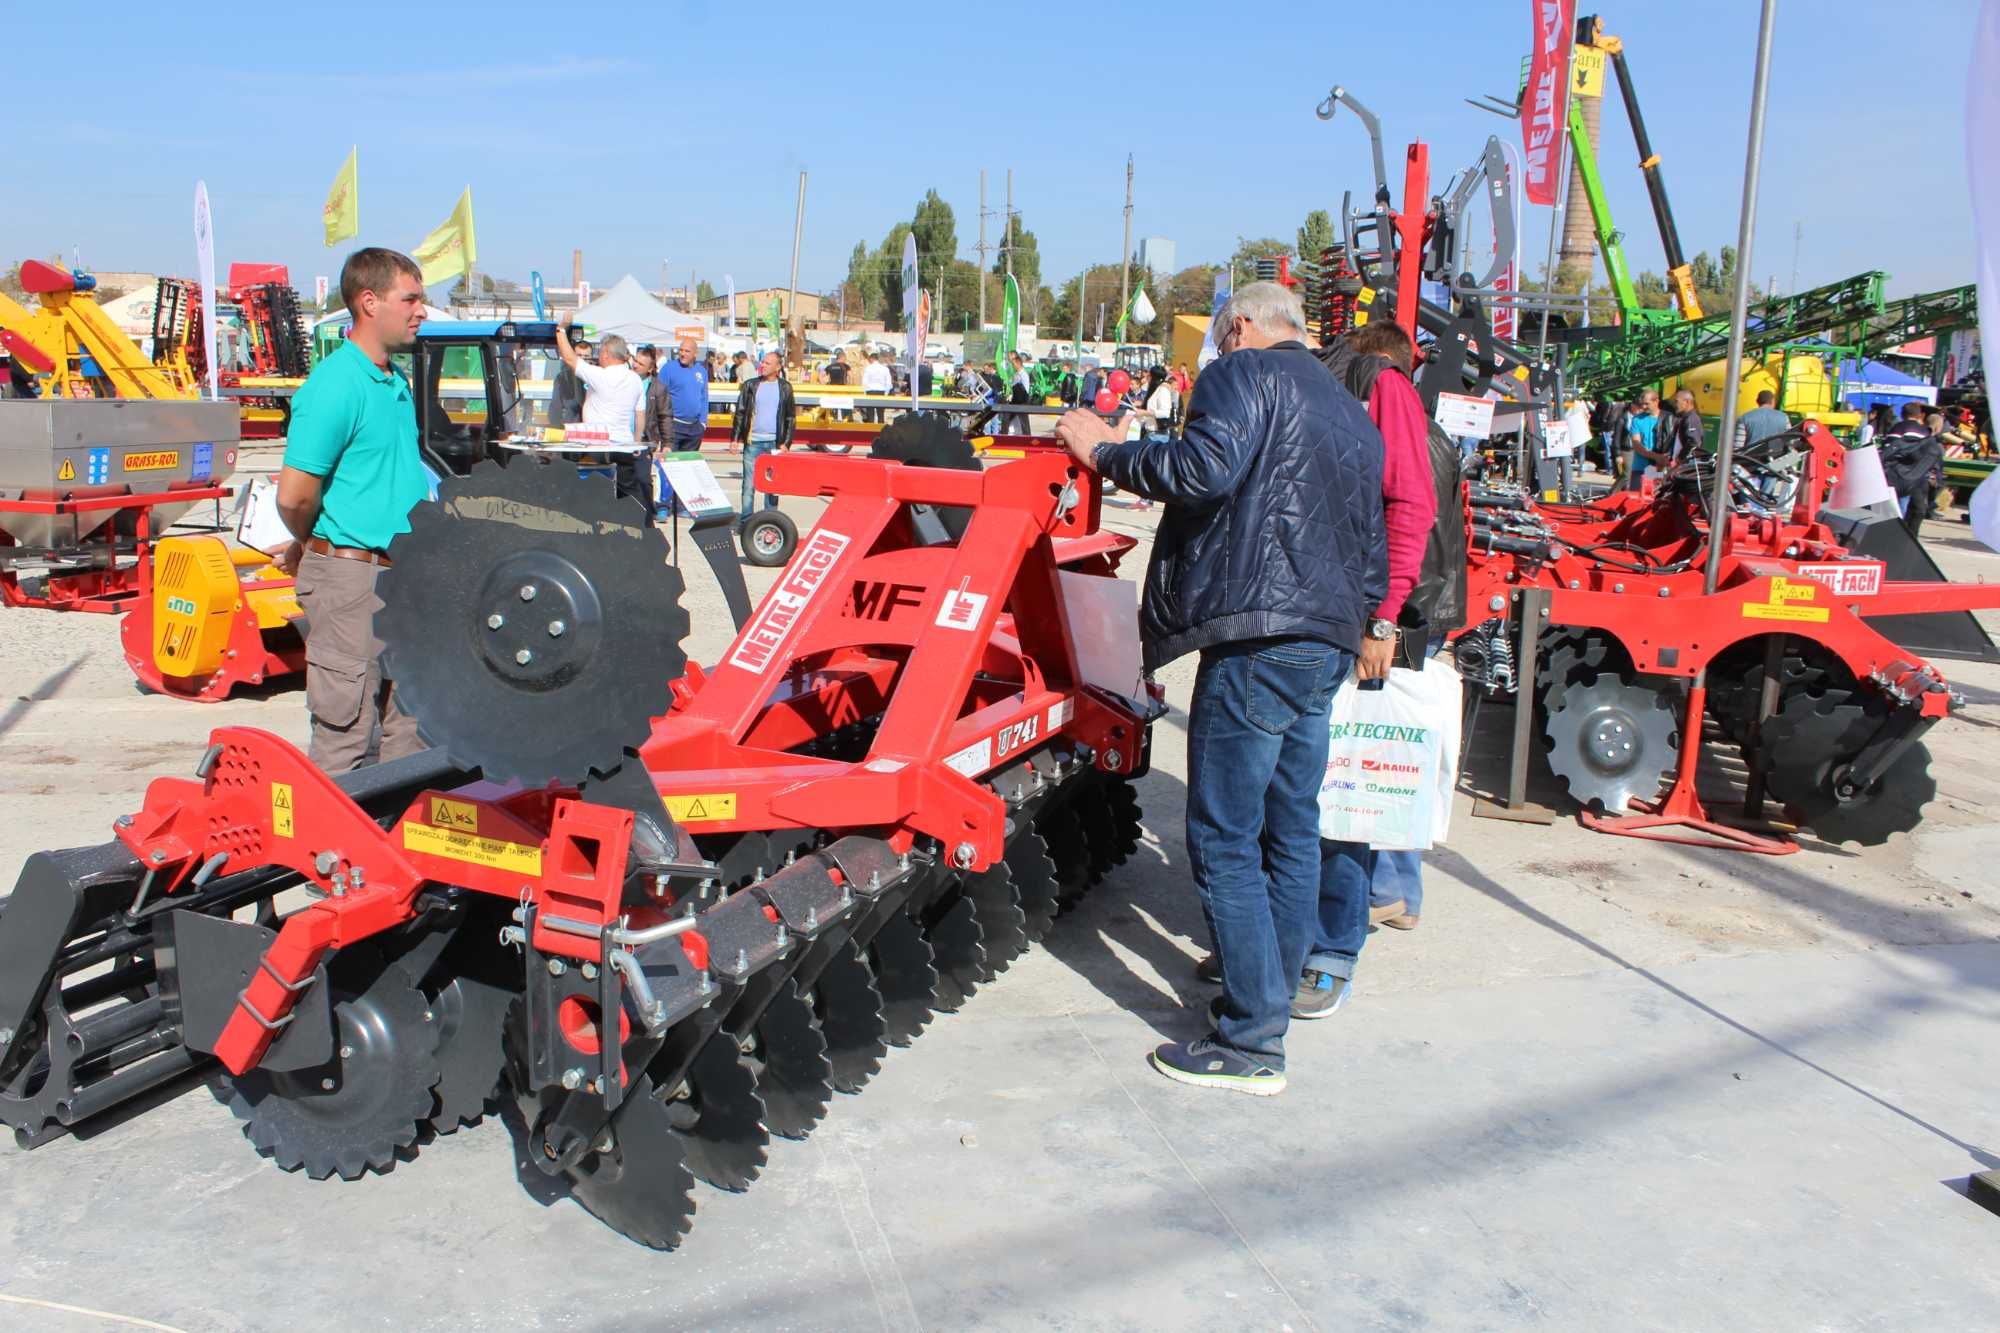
(600, 1085)
(742, 961)
(1114, 760)
(354, 876)
(1575, 584)
(572, 1079)
(1496, 602)
(6, 1035)
(124, 821)
(495, 621)
(1664, 591)
(527, 592)
(430, 1016)
(523, 657)
(347, 1052)
(557, 967)
(590, 971)
(746, 1043)
(325, 862)
(963, 854)
(1618, 587)
(156, 857)
(812, 918)
(326, 1085)
(784, 936)
(556, 629)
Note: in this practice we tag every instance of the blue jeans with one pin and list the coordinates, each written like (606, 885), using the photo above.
(759, 446)
(1257, 741)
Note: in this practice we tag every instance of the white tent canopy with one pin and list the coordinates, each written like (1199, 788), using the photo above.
(634, 315)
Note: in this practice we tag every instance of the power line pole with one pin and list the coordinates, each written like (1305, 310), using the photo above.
(982, 247)
(1125, 256)
(1007, 226)
(798, 227)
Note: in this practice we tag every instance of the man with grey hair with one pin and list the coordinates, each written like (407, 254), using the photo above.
(611, 394)
(1269, 560)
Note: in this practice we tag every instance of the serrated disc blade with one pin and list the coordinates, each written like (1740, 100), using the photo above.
(1100, 835)
(640, 1186)
(471, 1015)
(953, 931)
(900, 957)
(793, 1073)
(1610, 742)
(1035, 885)
(849, 1009)
(1067, 849)
(1127, 817)
(1003, 927)
(720, 1122)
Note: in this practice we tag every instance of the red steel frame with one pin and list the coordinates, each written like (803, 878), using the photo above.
(111, 590)
(976, 674)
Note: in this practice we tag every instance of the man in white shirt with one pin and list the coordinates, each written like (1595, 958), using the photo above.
(611, 397)
(876, 379)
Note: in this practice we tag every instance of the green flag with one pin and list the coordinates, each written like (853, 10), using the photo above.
(1010, 323)
(753, 317)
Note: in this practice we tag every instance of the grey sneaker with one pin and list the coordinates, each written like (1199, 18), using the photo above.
(1320, 994)
(1206, 1063)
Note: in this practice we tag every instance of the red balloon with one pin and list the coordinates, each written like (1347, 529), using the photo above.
(1119, 382)
(1107, 401)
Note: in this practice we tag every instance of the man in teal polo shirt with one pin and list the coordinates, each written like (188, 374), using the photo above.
(352, 474)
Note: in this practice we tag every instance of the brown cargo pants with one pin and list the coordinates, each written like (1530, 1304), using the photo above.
(353, 708)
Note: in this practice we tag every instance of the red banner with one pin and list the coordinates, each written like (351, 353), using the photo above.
(1545, 100)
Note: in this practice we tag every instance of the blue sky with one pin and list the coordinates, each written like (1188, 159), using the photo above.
(677, 131)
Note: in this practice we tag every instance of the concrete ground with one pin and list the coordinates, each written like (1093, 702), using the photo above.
(1606, 1084)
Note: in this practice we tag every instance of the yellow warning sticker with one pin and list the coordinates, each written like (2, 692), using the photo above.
(460, 815)
(153, 460)
(1779, 604)
(281, 809)
(67, 472)
(473, 849)
(1364, 296)
(709, 805)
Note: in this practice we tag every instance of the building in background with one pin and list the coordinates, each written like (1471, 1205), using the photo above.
(1156, 256)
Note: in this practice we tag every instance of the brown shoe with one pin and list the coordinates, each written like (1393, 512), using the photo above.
(1403, 922)
(1386, 913)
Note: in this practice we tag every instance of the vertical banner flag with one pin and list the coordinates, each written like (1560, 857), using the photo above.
(729, 311)
(540, 294)
(1010, 327)
(451, 248)
(1208, 351)
(1982, 141)
(582, 295)
(1545, 101)
(751, 313)
(204, 258)
(319, 290)
(342, 212)
(913, 330)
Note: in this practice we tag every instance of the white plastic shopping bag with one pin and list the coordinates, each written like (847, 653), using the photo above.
(1393, 761)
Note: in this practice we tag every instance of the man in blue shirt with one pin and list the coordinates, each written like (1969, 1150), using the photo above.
(1762, 421)
(351, 475)
(1640, 433)
(765, 414)
(687, 381)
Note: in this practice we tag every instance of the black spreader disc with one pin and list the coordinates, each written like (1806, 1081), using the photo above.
(531, 623)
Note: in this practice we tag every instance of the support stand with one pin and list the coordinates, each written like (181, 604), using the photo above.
(1516, 808)
(1682, 808)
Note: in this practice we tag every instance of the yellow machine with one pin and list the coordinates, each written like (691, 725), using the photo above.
(70, 341)
(1798, 378)
(216, 617)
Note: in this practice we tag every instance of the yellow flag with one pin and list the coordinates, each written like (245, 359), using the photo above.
(342, 213)
(449, 250)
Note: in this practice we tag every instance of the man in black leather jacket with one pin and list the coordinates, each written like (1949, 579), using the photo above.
(1269, 559)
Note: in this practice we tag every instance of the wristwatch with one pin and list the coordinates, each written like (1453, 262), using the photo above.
(1379, 628)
